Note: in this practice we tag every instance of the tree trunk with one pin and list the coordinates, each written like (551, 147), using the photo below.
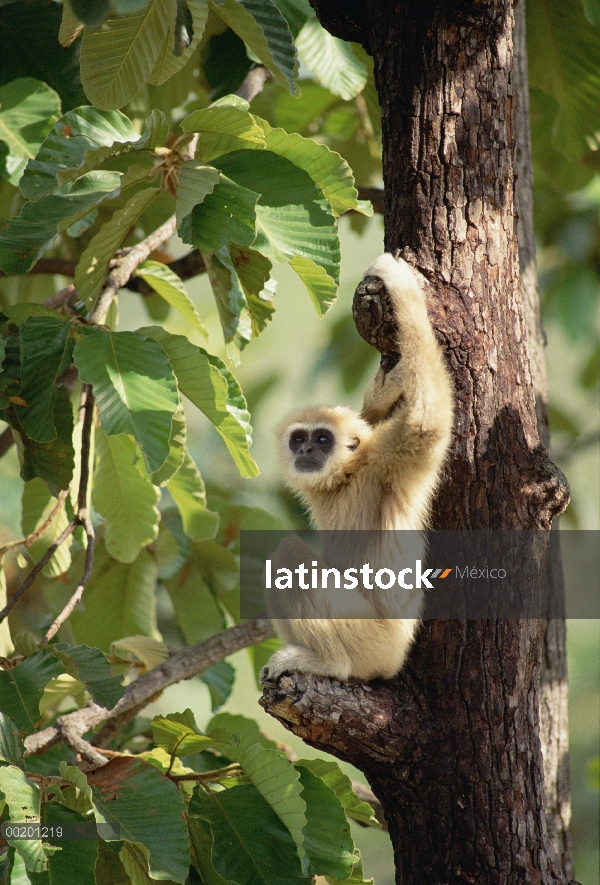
(451, 747)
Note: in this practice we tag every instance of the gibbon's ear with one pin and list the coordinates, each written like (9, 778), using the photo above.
(355, 444)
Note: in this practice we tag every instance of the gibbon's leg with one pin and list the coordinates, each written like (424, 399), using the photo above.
(300, 659)
(410, 401)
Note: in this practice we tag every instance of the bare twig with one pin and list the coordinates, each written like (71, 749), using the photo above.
(184, 664)
(60, 266)
(35, 536)
(254, 82)
(6, 441)
(38, 568)
(83, 517)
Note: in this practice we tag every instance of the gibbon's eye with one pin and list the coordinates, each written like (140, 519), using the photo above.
(296, 440)
(323, 438)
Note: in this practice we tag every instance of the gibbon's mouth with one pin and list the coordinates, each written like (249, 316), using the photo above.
(307, 465)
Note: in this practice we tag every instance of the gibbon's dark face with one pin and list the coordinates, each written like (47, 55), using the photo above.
(312, 448)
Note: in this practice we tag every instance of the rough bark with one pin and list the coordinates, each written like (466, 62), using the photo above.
(554, 696)
(451, 747)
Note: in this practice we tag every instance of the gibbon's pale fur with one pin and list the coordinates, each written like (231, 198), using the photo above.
(376, 470)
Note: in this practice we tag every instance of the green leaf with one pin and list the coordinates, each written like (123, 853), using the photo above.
(176, 450)
(168, 62)
(244, 852)
(120, 600)
(209, 384)
(89, 666)
(179, 735)
(28, 109)
(225, 63)
(27, 236)
(76, 859)
(38, 504)
(332, 775)
(22, 687)
(196, 609)
(83, 139)
(134, 387)
(188, 492)
(118, 58)
(124, 496)
(357, 875)
(239, 278)
(140, 648)
(224, 129)
(592, 11)
(327, 839)
(219, 678)
(226, 214)
(92, 267)
(321, 287)
(245, 733)
(170, 287)
(330, 60)
(278, 782)
(202, 843)
(53, 461)
(11, 745)
(330, 172)
(123, 786)
(264, 29)
(564, 62)
(23, 799)
(293, 220)
(195, 183)
(46, 351)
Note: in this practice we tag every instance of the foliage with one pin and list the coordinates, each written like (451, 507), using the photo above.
(119, 119)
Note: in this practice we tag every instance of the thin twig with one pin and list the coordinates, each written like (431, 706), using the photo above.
(38, 568)
(35, 536)
(83, 517)
(6, 441)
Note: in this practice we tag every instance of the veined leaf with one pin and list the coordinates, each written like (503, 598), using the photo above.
(23, 799)
(242, 852)
(261, 25)
(209, 384)
(75, 860)
(28, 235)
(226, 214)
(296, 12)
(134, 387)
(89, 666)
(278, 782)
(38, 504)
(219, 678)
(321, 287)
(120, 788)
(198, 613)
(46, 351)
(168, 62)
(202, 844)
(176, 450)
(328, 170)
(330, 60)
(292, 217)
(28, 108)
(332, 775)
(124, 496)
(80, 141)
(245, 733)
(195, 183)
(22, 687)
(92, 267)
(120, 600)
(52, 461)
(148, 651)
(11, 744)
(188, 492)
(327, 839)
(223, 129)
(179, 735)
(170, 287)
(564, 62)
(118, 58)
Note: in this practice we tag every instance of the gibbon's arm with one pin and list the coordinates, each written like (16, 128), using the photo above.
(410, 401)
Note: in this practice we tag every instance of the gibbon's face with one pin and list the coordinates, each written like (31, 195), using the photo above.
(311, 448)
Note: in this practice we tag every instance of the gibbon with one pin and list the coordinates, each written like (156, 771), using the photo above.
(373, 471)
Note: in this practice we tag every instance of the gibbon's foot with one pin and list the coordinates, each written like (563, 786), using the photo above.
(375, 319)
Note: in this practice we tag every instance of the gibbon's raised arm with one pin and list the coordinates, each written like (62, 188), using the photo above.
(374, 471)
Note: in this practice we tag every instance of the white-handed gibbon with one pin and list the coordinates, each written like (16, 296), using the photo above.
(373, 471)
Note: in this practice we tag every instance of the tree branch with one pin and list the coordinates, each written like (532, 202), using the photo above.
(184, 664)
(35, 536)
